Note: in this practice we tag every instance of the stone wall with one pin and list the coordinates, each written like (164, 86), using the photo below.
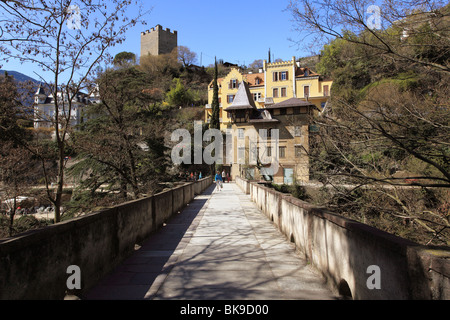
(345, 250)
(34, 265)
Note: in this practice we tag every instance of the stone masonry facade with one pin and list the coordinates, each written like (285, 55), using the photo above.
(157, 41)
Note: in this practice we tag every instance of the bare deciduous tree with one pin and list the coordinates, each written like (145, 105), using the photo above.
(186, 56)
(67, 40)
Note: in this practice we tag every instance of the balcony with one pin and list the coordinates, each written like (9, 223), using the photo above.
(260, 100)
(208, 106)
(209, 120)
(267, 101)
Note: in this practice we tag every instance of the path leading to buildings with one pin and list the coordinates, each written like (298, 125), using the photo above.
(221, 247)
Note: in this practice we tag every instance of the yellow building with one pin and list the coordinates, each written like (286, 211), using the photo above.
(268, 144)
(276, 82)
(282, 96)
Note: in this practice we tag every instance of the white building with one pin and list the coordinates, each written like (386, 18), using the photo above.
(72, 111)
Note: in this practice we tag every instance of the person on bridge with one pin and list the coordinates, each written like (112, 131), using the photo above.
(218, 179)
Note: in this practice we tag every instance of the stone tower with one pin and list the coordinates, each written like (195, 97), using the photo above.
(158, 41)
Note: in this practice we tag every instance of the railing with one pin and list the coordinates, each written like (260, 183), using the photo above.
(347, 252)
(34, 265)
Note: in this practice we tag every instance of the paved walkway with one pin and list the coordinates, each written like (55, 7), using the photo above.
(221, 247)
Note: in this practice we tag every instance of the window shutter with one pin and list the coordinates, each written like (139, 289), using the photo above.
(287, 75)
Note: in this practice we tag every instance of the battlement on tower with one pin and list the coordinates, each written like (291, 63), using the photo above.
(160, 29)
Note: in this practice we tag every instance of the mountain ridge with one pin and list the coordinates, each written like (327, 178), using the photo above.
(19, 77)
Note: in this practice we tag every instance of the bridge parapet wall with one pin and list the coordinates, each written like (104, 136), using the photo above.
(344, 250)
(34, 265)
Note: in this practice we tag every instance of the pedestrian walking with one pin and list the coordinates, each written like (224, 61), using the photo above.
(218, 179)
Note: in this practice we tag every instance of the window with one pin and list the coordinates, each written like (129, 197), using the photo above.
(269, 151)
(280, 76)
(241, 155)
(257, 96)
(240, 116)
(275, 76)
(326, 91)
(233, 84)
(275, 92)
(297, 131)
(282, 152)
(230, 98)
(263, 133)
(282, 111)
(241, 133)
(257, 81)
(283, 92)
(298, 151)
(306, 91)
(266, 133)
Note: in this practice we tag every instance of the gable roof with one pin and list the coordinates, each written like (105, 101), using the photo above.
(251, 79)
(300, 73)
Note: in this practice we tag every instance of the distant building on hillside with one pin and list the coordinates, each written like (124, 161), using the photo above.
(157, 41)
(44, 107)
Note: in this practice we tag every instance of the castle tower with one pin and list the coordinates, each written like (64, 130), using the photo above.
(158, 41)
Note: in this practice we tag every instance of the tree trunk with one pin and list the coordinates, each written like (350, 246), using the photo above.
(11, 217)
(60, 183)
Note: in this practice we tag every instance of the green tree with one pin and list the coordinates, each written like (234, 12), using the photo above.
(179, 95)
(13, 116)
(121, 147)
(124, 59)
(401, 21)
(215, 117)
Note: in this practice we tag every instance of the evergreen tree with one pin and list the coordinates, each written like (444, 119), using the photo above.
(215, 122)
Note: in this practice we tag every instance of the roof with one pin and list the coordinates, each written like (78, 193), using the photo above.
(251, 79)
(243, 99)
(40, 91)
(292, 102)
(300, 73)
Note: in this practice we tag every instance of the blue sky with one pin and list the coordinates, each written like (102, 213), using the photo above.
(235, 31)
